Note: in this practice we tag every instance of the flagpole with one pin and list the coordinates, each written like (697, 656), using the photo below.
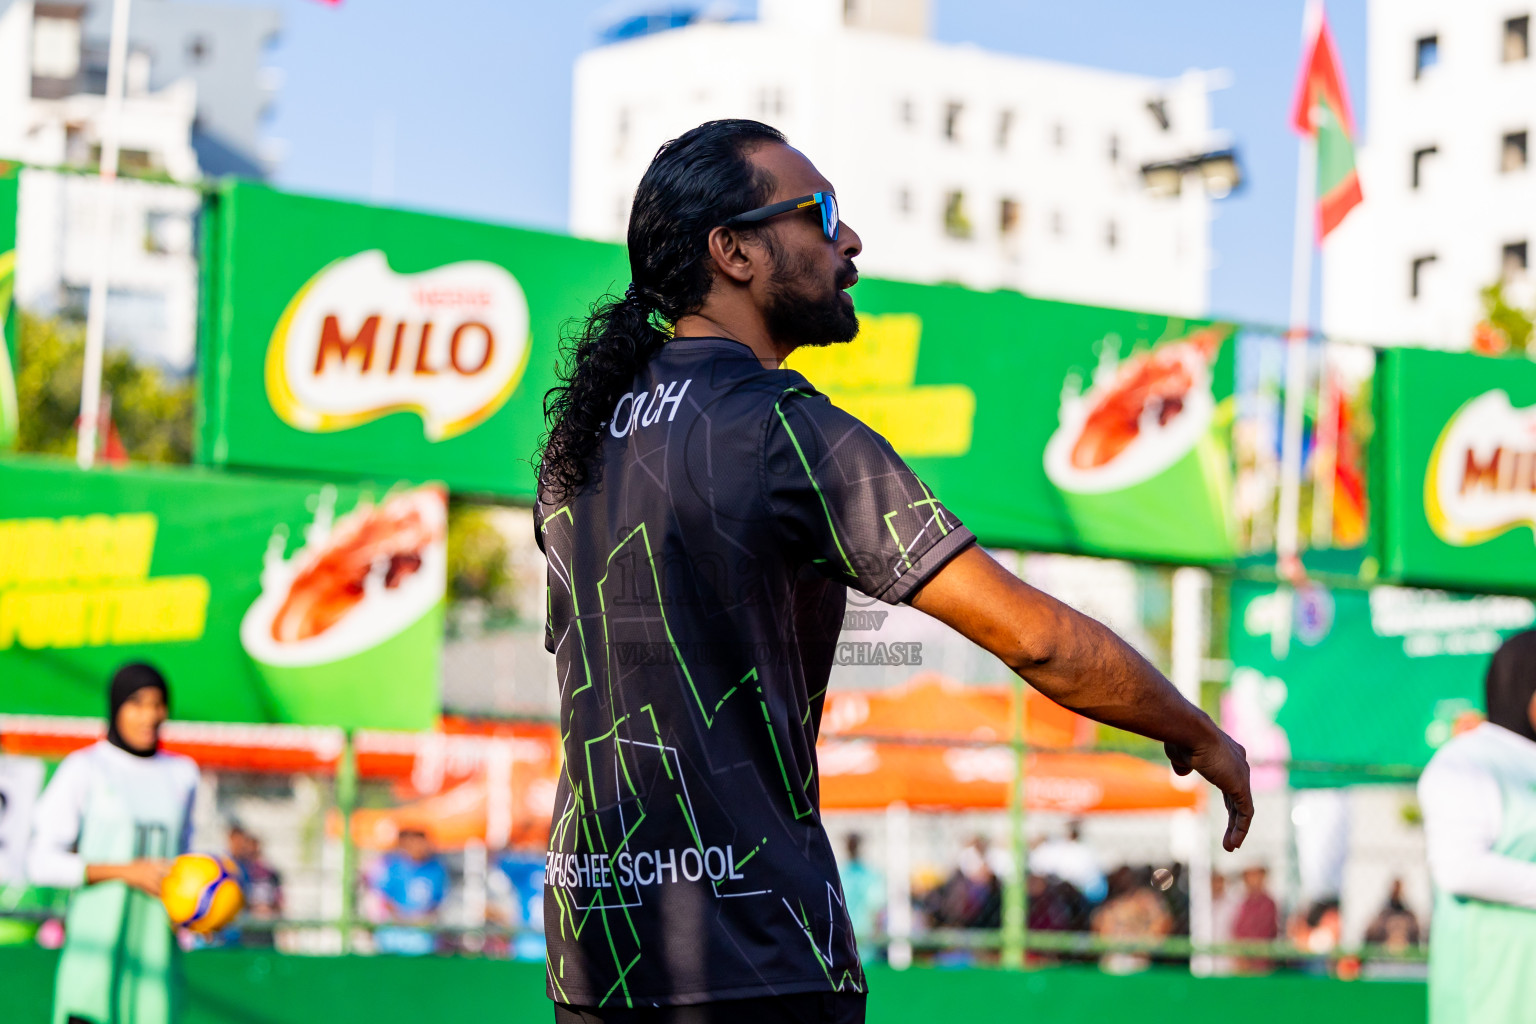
(106, 188)
(1288, 528)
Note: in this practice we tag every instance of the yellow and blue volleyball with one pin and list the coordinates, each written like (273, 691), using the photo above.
(202, 892)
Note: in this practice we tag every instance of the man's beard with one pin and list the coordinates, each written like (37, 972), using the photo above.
(797, 319)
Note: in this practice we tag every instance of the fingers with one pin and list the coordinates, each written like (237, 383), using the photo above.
(1239, 815)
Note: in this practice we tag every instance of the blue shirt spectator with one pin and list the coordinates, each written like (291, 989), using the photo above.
(407, 885)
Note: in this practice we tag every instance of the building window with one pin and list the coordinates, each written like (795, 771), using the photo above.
(1158, 108)
(957, 223)
(55, 47)
(1426, 54)
(167, 234)
(1111, 235)
(621, 132)
(1417, 273)
(1517, 38)
(1512, 153)
(1004, 127)
(952, 112)
(1420, 158)
(906, 111)
(1010, 215)
(1114, 149)
(1514, 263)
(903, 200)
(770, 101)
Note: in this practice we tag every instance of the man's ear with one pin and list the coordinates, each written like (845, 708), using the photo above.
(732, 256)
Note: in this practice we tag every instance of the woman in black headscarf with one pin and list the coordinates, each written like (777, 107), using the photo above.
(106, 826)
(1479, 799)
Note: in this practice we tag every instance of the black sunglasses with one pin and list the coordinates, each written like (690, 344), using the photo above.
(830, 225)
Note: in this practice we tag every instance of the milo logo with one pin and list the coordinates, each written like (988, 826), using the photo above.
(1481, 479)
(360, 341)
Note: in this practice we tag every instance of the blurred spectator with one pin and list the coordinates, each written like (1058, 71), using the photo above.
(1395, 927)
(863, 892)
(1223, 910)
(1071, 860)
(262, 885)
(518, 901)
(1257, 918)
(407, 886)
(972, 897)
(1056, 905)
(1319, 931)
(1133, 912)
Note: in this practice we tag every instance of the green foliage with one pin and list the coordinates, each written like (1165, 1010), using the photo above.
(479, 560)
(153, 410)
(1511, 323)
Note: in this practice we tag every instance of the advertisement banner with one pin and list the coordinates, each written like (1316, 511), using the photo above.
(1355, 678)
(1459, 469)
(261, 600)
(351, 340)
(9, 424)
(1046, 425)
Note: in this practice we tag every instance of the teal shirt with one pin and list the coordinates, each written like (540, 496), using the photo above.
(1482, 959)
(105, 806)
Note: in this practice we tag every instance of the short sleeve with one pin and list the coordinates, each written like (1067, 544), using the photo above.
(845, 502)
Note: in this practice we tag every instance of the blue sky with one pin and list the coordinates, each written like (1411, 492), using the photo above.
(475, 96)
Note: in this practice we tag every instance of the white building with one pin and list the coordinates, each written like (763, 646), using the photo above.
(1450, 197)
(52, 81)
(953, 163)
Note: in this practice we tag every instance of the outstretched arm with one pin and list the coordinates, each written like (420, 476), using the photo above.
(1081, 664)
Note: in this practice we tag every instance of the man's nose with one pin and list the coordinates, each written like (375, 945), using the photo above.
(850, 241)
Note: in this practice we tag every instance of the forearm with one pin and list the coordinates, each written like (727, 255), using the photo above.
(1071, 658)
(1091, 670)
(105, 873)
(1488, 876)
(55, 869)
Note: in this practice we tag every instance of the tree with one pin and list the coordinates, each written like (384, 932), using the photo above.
(152, 410)
(1505, 327)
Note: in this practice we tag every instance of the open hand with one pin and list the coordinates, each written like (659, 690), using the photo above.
(1224, 763)
(146, 875)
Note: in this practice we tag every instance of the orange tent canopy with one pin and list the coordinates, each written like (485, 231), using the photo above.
(873, 754)
(931, 706)
(862, 775)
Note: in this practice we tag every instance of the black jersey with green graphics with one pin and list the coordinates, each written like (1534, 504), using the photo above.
(696, 591)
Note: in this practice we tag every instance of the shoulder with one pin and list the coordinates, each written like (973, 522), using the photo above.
(183, 768)
(1464, 752)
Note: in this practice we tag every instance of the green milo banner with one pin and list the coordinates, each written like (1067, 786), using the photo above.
(1459, 469)
(261, 599)
(1047, 425)
(1356, 678)
(352, 340)
(9, 423)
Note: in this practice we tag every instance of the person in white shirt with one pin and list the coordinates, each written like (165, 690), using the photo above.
(106, 826)
(1478, 794)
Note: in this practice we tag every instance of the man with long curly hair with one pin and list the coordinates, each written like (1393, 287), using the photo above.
(704, 511)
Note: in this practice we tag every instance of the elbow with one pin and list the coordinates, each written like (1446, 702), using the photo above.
(1028, 656)
(1455, 877)
(1045, 647)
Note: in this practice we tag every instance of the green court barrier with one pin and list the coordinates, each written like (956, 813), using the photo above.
(249, 987)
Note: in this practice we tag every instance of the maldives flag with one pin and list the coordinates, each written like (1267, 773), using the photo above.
(1322, 111)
